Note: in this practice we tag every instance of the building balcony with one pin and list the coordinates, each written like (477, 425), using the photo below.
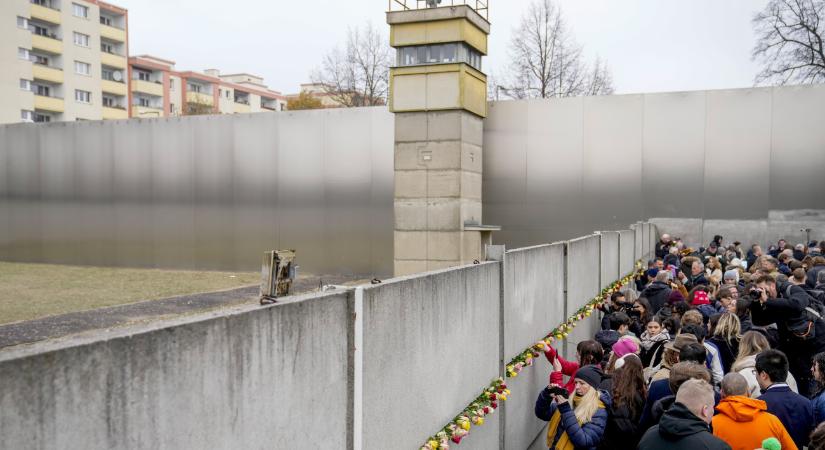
(146, 112)
(241, 108)
(45, 14)
(46, 73)
(112, 60)
(52, 104)
(47, 44)
(199, 97)
(114, 87)
(147, 87)
(112, 113)
(112, 33)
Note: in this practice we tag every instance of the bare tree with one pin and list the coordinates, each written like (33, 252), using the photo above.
(358, 74)
(545, 60)
(790, 35)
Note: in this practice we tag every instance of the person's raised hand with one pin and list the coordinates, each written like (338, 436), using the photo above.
(556, 365)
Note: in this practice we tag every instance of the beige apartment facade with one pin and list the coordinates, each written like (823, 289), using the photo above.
(66, 60)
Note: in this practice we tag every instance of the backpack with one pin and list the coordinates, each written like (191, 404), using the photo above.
(804, 329)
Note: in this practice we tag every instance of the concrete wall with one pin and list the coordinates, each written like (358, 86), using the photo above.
(533, 305)
(383, 365)
(582, 285)
(788, 225)
(256, 377)
(626, 249)
(609, 250)
(431, 343)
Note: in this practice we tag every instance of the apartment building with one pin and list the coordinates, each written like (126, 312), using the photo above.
(63, 60)
(159, 90)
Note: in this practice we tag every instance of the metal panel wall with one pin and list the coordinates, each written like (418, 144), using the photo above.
(207, 192)
(603, 162)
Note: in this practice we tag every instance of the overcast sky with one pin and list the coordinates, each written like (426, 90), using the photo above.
(651, 45)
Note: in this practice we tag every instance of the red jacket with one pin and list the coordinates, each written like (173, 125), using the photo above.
(568, 368)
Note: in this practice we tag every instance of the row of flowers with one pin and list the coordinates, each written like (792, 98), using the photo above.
(487, 402)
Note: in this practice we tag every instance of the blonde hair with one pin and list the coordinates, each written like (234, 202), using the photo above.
(588, 404)
(692, 317)
(752, 343)
(728, 327)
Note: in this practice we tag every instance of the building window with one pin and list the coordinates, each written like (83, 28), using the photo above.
(143, 75)
(25, 85)
(46, 3)
(106, 20)
(39, 59)
(81, 39)
(142, 101)
(227, 94)
(193, 87)
(43, 91)
(22, 22)
(438, 54)
(82, 96)
(82, 68)
(42, 118)
(23, 53)
(42, 31)
(108, 102)
(80, 11)
(172, 84)
(107, 48)
(171, 108)
(26, 116)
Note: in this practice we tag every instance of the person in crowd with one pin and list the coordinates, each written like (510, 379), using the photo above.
(783, 267)
(696, 370)
(751, 344)
(660, 389)
(743, 422)
(671, 355)
(798, 278)
(726, 299)
(799, 252)
(653, 341)
(640, 316)
(658, 292)
(818, 402)
(672, 257)
(577, 422)
(753, 254)
(618, 302)
(731, 277)
(801, 333)
(619, 324)
(792, 409)
(818, 292)
(664, 245)
(697, 276)
(713, 362)
(818, 266)
(713, 269)
(817, 441)
(588, 353)
(774, 250)
(726, 336)
(673, 325)
(628, 393)
(685, 425)
(626, 345)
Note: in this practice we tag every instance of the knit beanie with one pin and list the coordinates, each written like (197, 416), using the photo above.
(732, 275)
(624, 346)
(771, 443)
(700, 298)
(589, 375)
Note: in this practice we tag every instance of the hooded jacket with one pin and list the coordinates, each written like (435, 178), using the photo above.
(656, 294)
(680, 429)
(745, 422)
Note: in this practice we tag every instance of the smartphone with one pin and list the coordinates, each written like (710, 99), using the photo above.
(558, 390)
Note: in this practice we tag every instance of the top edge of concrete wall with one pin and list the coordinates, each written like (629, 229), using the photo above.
(129, 331)
(425, 274)
(532, 247)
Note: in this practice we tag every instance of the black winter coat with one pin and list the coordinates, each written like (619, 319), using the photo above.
(728, 351)
(680, 429)
(656, 294)
(623, 428)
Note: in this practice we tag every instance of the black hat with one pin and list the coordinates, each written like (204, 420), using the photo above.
(590, 375)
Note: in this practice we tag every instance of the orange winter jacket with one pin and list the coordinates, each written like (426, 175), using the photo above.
(744, 423)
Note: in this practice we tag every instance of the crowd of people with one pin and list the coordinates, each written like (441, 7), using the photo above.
(715, 348)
